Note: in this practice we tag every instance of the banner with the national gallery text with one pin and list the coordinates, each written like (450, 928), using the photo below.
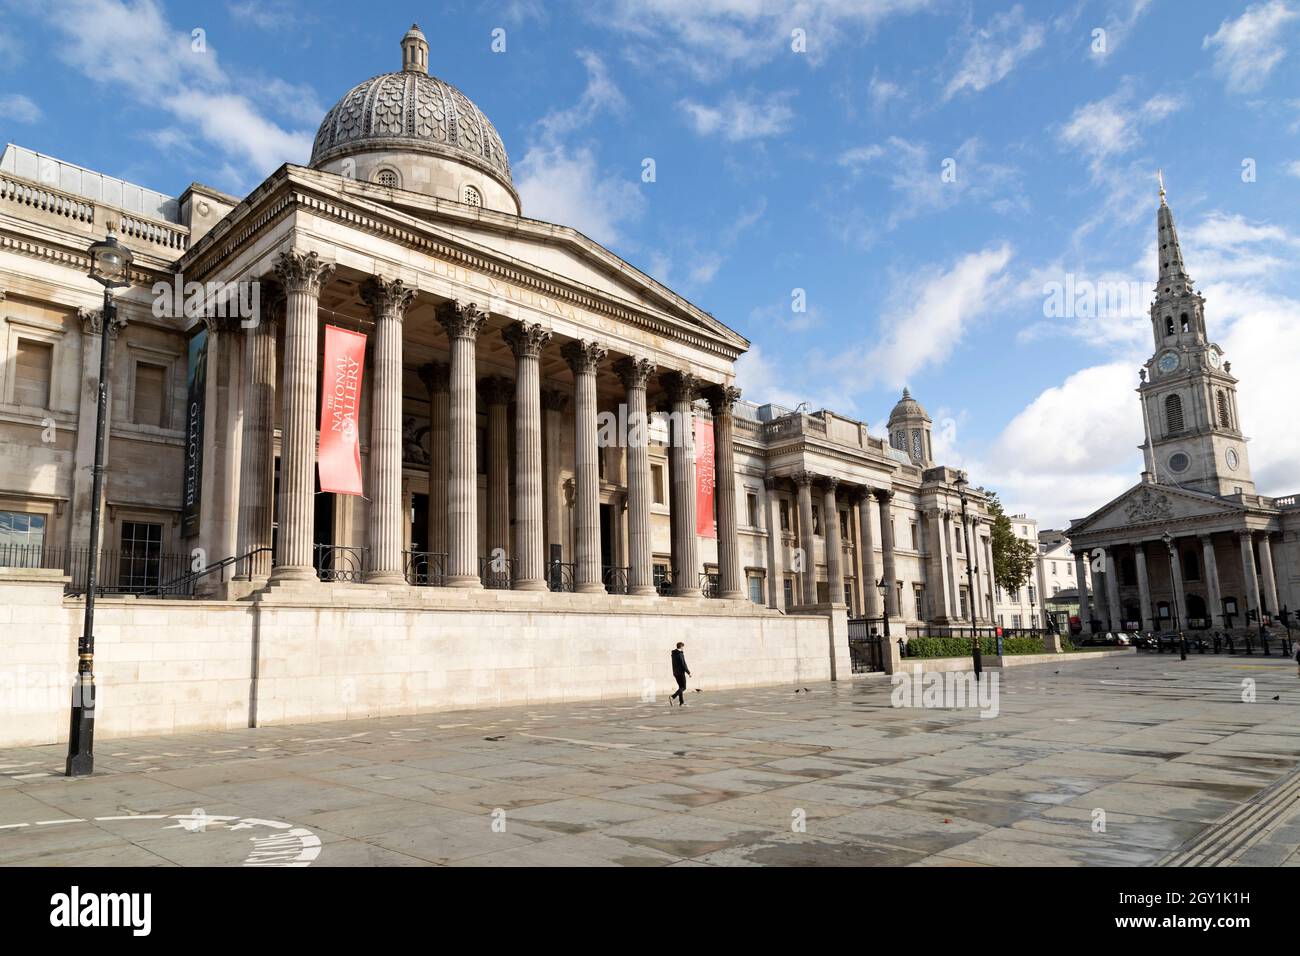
(196, 394)
(339, 458)
(705, 525)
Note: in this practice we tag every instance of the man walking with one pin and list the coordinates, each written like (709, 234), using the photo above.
(680, 672)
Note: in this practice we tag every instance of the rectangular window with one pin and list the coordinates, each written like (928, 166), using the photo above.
(148, 403)
(32, 373)
(959, 537)
(657, 483)
(964, 599)
(784, 507)
(844, 526)
(916, 543)
(756, 589)
(817, 520)
(918, 594)
(788, 590)
(751, 505)
(1015, 620)
(22, 539)
(140, 564)
(660, 576)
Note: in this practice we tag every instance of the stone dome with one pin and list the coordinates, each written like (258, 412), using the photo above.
(907, 408)
(419, 122)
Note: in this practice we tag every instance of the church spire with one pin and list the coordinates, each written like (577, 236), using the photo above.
(1174, 279)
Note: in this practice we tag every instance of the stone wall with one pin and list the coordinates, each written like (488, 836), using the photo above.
(344, 651)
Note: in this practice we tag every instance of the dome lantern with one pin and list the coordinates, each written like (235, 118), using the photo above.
(415, 51)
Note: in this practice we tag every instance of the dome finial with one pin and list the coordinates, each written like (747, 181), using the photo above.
(906, 393)
(415, 51)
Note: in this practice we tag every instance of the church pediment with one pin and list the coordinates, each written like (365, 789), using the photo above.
(1146, 504)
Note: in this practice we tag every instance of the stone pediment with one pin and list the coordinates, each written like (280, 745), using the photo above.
(1147, 504)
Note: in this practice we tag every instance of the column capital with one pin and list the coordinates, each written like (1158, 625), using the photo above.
(387, 298)
(554, 400)
(92, 322)
(771, 482)
(497, 390)
(680, 386)
(830, 484)
(303, 271)
(271, 301)
(436, 376)
(526, 339)
(883, 495)
(861, 493)
(217, 324)
(634, 371)
(721, 398)
(460, 321)
(804, 479)
(583, 355)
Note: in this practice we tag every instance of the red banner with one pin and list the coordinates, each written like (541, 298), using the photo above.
(705, 526)
(339, 459)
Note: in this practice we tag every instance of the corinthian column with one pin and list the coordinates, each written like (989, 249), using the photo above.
(721, 401)
(808, 565)
(634, 373)
(584, 359)
(772, 517)
(883, 497)
(463, 324)
(867, 547)
(1267, 577)
(834, 547)
(388, 301)
(526, 342)
(257, 448)
(682, 388)
(436, 377)
(497, 392)
(302, 275)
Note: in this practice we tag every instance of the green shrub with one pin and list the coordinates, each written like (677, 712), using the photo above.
(927, 647)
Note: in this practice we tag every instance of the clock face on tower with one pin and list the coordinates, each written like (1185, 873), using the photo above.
(1213, 359)
(1168, 362)
(1233, 460)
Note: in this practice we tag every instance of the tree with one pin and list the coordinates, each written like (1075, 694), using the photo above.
(1013, 557)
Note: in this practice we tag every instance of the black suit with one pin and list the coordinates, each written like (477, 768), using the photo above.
(680, 672)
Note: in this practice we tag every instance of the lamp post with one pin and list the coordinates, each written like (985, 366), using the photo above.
(884, 602)
(1168, 540)
(970, 563)
(110, 266)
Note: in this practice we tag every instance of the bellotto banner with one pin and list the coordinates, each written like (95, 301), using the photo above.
(705, 526)
(196, 393)
(339, 458)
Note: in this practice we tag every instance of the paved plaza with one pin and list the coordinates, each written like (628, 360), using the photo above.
(1112, 762)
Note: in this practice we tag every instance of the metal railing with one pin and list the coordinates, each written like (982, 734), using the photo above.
(141, 570)
(493, 575)
(710, 586)
(425, 568)
(337, 562)
(615, 579)
(560, 576)
(664, 582)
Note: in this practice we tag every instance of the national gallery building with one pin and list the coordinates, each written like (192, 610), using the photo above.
(379, 444)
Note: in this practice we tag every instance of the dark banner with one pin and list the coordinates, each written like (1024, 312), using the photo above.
(196, 393)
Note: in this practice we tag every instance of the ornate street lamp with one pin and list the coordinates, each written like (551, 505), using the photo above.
(970, 558)
(110, 266)
(884, 602)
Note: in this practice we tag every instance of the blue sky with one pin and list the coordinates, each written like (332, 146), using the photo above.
(921, 169)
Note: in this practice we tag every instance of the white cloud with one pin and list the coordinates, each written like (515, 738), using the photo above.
(882, 91)
(566, 185)
(132, 47)
(1248, 48)
(943, 307)
(994, 50)
(601, 95)
(18, 108)
(1107, 127)
(737, 118)
(1293, 168)
(1119, 25)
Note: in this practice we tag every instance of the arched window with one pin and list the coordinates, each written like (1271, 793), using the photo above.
(471, 196)
(1173, 415)
(387, 177)
(1187, 325)
(1225, 419)
(1169, 325)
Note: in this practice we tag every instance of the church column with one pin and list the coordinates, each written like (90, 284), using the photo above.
(1176, 582)
(834, 546)
(682, 388)
(867, 547)
(803, 481)
(730, 585)
(1081, 576)
(554, 403)
(463, 324)
(1144, 587)
(1213, 591)
(526, 342)
(775, 572)
(1271, 604)
(1112, 591)
(257, 448)
(1248, 572)
(388, 301)
(634, 373)
(302, 275)
(584, 358)
(436, 378)
(883, 498)
(496, 394)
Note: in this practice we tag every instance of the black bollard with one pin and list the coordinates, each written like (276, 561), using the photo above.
(1182, 647)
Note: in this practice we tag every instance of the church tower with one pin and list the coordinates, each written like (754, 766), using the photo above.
(909, 430)
(1189, 399)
